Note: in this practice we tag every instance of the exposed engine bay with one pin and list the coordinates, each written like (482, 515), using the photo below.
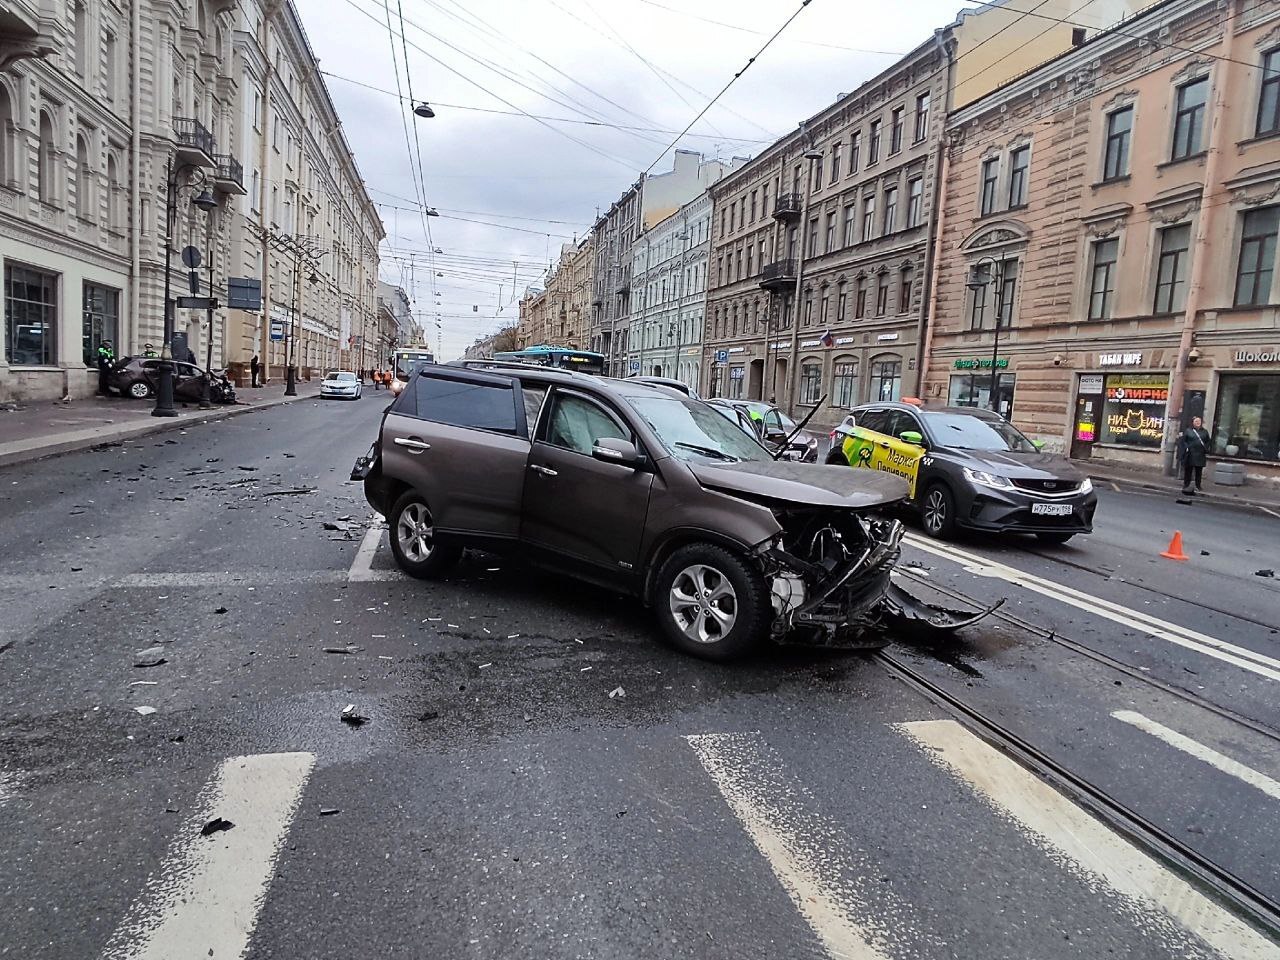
(829, 574)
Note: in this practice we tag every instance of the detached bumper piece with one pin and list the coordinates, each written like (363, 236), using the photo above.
(905, 615)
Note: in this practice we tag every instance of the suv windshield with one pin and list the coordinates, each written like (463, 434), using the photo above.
(689, 429)
(967, 432)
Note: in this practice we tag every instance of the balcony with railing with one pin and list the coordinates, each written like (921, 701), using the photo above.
(229, 175)
(194, 142)
(788, 206)
(779, 274)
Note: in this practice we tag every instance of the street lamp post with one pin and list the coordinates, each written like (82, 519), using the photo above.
(206, 398)
(997, 272)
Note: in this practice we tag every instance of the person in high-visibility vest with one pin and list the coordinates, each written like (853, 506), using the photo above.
(106, 357)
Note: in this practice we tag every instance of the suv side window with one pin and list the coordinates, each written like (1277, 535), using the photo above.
(466, 403)
(534, 394)
(898, 422)
(576, 423)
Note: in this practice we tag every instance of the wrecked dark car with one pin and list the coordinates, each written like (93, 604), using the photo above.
(640, 488)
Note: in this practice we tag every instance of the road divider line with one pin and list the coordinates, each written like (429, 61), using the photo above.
(362, 565)
(1200, 751)
(207, 896)
(1242, 657)
(1084, 845)
(799, 848)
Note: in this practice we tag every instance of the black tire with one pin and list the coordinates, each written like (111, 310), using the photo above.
(1058, 538)
(439, 558)
(747, 603)
(836, 457)
(138, 390)
(938, 512)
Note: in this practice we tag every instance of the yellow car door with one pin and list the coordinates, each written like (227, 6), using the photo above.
(885, 449)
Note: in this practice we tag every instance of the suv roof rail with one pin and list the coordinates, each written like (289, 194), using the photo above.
(515, 365)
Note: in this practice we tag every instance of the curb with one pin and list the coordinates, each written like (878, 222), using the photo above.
(1232, 503)
(57, 448)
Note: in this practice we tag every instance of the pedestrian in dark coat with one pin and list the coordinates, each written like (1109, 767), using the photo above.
(1193, 450)
(254, 367)
(106, 357)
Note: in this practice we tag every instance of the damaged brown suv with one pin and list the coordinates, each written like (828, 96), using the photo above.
(639, 488)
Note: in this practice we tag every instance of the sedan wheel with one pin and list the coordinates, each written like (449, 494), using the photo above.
(938, 512)
(704, 603)
(139, 390)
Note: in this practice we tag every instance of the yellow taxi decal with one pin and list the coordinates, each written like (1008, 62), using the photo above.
(878, 451)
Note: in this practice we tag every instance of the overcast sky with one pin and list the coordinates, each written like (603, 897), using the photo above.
(648, 64)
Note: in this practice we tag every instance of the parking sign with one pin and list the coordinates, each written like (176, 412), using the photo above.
(722, 356)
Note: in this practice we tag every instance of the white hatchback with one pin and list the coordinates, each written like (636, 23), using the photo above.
(342, 384)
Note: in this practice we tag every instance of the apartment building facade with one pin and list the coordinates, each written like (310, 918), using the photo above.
(670, 271)
(558, 314)
(611, 240)
(106, 110)
(1109, 241)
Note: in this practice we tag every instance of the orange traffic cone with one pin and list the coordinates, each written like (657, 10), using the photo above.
(1175, 548)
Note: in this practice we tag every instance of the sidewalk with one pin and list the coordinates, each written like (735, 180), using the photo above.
(1254, 495)
(49, 427)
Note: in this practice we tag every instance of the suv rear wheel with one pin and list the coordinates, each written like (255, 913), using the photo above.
(413, 540)
(711, 603)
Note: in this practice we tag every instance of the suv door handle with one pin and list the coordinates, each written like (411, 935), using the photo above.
(545, 471)
(415, 445)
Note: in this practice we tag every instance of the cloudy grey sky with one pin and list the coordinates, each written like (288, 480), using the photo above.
(650, 65)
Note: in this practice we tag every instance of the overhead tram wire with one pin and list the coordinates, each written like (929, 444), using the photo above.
(417, 187)
(417, 138)
(747, 66)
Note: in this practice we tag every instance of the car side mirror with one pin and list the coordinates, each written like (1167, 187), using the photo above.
(1038, 444)
(912, 436)
(621, 452)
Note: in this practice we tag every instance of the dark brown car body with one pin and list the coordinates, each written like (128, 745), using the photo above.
(802, 548)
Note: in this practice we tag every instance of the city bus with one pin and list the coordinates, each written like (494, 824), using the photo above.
(563, 357)
(405, 360)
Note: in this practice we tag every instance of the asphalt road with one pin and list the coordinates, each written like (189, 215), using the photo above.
(537, 777)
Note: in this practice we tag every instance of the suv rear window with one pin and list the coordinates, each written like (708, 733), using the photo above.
(481, 406)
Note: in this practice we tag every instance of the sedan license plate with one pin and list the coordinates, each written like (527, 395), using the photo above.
(1052, 509)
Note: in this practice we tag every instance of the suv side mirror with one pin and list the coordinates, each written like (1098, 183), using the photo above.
(912, 436)
(1038, 444)
(621, 452)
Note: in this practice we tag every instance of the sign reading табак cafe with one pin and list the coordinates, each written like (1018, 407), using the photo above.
(1134, 407)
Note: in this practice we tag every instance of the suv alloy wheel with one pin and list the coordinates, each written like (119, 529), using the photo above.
(413, 541)
(938, 512)
(711, 603)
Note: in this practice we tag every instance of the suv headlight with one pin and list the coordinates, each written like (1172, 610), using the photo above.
(1087, 486)
(984, 479)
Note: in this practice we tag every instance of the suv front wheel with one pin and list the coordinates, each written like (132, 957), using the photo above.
(712, 603)
(413, 539)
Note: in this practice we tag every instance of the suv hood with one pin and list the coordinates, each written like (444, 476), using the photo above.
(804, 484)
(1020, 465)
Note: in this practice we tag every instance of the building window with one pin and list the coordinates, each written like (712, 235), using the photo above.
(733, 209)
(1115, 161)
(753, 206)
(1008, 291)
(835, 160)
(84, 177)
(844, 382)
(115, 196)
(816, 183)
(1102, 288)
(983, 291)
(808, 309)
(868, 217)
(109, 67)
(842, 304)
(7, 177)
(46, 163)
(873, 148)
(255, 192)
(1257, 257)
(736, 374)
(1188, 123)
(812, 248)
(810, 382)
(850, 224)
(990, 178)
(826, 308)
(1247, 418)
(860, 305)
(855, 147)
(882, 294)
(1019, 162)
(890, 209)
(30, 316)
(886, 379)
(895, 130)
(1269, 98)
(80, 28)
(764, 201)
(905, 276)
(922, 117)
(974, 390)
(915, 201)
(101, 320)
(750, 255)
(1171, 271)
(831, 231)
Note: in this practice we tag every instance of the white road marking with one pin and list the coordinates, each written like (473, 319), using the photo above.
(362, 565)
(241, 578)
(1201, 752)
(800, 848)
(1242, 657)
(1086, 846)
(1268, 510)
(206, 899)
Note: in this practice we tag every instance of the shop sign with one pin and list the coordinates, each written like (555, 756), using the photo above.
(841, 341)
(737, 349)
(780, 345)
(1119, 359)
(887, 337)
(980, 364)
(811, 343)
(1257, 356)
(1091, 383)
(1134, 408)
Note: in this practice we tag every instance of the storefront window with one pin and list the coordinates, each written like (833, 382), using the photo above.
(810, 382)
(886, 379)
(1133, 409)
(30, 316)
(101, 320)
(844, 386)
(1247, 420)
(974, 390)
(735, 382)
